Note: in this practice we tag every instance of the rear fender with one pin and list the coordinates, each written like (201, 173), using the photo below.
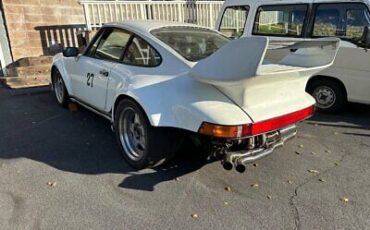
(180, 102)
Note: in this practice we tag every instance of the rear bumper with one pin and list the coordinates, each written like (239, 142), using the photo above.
(269, 142)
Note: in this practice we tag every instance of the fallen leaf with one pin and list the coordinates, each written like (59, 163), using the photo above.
(194, 216)
(228, 188)
(313, 171)
(300, 146)
(269, 197)
(344, 199)
(254, 185)
(51, 183)
(322, 180)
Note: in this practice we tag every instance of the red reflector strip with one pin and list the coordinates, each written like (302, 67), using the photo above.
(277, 122)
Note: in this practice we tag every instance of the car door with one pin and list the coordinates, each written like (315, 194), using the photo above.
(92, 72)
(346, 21)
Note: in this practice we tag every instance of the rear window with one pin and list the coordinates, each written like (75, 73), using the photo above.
(280, 20)
(192, 43)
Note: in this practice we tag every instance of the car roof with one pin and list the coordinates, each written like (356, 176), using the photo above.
(141, 26)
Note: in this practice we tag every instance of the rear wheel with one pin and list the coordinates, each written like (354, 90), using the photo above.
(329, 95)
(142, 145)
(59, 88)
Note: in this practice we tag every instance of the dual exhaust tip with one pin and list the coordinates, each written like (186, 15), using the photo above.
(228, 165)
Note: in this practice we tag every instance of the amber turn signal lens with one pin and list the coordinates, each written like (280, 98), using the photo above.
(222, 131)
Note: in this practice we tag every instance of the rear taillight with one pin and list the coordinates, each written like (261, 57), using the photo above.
(238, 131)
(280, 122)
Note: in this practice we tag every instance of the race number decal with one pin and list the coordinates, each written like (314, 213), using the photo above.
(90, 80)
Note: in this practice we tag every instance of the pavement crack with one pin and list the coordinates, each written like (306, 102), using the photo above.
(297, 220)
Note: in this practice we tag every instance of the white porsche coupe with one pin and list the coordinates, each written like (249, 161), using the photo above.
(156, 80)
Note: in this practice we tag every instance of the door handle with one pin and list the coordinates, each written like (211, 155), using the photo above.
(104, 72)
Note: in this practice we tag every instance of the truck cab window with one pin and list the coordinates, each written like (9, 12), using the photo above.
(343, 20)
(233, 21)
(280, 20)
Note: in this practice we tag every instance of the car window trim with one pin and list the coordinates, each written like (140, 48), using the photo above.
(313, 19)
(245, 23)
(96, 38)
(304, 24)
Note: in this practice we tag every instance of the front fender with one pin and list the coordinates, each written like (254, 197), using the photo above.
(181, 102)
(59, 63)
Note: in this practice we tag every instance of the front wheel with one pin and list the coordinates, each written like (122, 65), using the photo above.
(142, 145)
(329, 95)
(59, 88)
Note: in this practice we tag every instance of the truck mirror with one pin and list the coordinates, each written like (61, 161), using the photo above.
(366, 37)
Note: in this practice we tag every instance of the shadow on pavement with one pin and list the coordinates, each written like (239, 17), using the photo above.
(33, 126)
(356, 116)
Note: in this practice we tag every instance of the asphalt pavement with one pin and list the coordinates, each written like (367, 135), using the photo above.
(61, 169)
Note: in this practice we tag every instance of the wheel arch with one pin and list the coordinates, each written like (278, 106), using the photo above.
(327, 78)
(125, 96)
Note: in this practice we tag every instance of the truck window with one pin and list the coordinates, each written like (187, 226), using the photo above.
(280, 20)
(343, 20)
(233, 21)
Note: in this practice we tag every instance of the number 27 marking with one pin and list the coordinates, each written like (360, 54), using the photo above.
(90, 80)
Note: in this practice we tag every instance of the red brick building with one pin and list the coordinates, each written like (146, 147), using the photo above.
(34, 28)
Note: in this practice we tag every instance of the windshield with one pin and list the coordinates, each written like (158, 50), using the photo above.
(192, 43)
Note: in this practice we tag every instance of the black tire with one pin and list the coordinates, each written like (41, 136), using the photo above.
(59, 88)
(329, 95)
(160, 143)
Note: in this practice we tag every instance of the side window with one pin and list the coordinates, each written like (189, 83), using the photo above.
(357, 19)
(327, 20)
(112, 45)
(281, 20)
(140, 53)
(233, 21)
(343, 20)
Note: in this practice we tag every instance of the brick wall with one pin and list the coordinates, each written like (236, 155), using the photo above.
(36, 27)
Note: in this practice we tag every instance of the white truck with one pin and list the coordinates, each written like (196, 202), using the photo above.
(285, 21)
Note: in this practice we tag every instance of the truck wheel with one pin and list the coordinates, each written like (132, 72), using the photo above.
(142, 145)
(329, 95)
(59, 88)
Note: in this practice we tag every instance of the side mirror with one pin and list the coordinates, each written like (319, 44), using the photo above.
(70, 52)
(365, 39)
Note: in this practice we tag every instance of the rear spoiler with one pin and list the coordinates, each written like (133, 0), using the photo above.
(244, 58)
